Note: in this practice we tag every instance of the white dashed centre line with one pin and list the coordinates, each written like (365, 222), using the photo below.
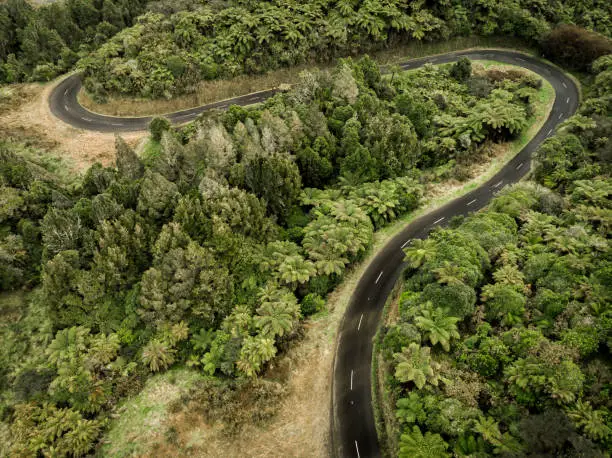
(351, 380)
(66, 108)
(66, 93)
(87, 119)
(561, 115)
(379, 275)
(549, 132)
(567, 101)
(406, 243)
(565, 85)
(439, 220)
(518, 167)
(357, 448)
(359, 325)
(498, 184)
(471, 202)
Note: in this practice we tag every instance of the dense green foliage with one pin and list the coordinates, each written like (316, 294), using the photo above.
(162, 56)
(211, 251)
(40, 43)
(503, 340)
(574, 47)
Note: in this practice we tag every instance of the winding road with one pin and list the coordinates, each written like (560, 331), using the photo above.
(353, 432)
(64, 104)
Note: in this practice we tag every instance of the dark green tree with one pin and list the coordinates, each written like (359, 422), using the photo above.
(128, 163)
(462, 69)
(277, 180)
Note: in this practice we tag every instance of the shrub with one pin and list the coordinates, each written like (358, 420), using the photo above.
(462, 69)
(312, 304)
(480, 86)
(459, 299)
(575, 47)
(398, 337)
(484, 364)
(44, 72)
(157, 127)
(176, 66)
(585, 339)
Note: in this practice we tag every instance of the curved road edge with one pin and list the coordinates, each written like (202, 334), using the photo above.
(64, 105)
(353, 431)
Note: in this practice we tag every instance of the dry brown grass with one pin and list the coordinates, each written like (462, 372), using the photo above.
(26, 117)
(301, 426)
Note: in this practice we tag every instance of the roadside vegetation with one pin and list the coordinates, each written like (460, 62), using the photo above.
(208, 91)
(501, 343)
(164, 56)
(211, 250)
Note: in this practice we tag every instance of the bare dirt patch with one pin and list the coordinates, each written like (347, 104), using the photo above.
(25, 117)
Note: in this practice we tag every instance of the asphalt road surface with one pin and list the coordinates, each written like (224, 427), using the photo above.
(353, 432)
(64, 105)
(353, 429)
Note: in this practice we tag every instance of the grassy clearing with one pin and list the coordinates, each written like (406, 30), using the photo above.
(141, 419)
(213, 91)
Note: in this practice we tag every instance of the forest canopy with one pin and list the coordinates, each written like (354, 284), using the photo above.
(211, 251)
(210, 248)
(165, 55)
(38, 44)
(503, 340)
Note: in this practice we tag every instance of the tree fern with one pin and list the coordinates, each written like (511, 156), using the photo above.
(413, 444)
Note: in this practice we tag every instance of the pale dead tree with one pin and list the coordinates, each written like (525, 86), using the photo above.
(345, 86)
(171, 149)
(172, 155)
(62, 231)
(241, 134)
(275, 134)
(268, 140)
(306, 88)
(210, 187)
(219, 151)
(296, 127)
(315, 123)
